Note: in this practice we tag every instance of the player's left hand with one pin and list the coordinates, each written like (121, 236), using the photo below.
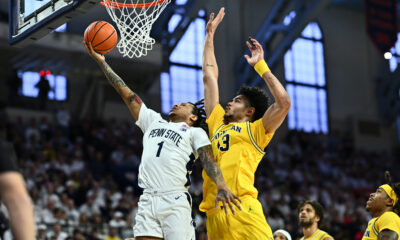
(257, 52)
(227, 198)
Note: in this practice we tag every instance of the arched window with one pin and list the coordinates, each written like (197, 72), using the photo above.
(184, 81)
(305, 77)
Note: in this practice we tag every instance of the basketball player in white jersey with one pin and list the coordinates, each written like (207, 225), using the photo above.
(169, 151)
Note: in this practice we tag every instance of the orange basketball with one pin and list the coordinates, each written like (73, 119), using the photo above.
(102, 36)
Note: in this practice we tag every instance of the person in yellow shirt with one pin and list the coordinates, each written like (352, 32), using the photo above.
(112, 234)
(311, 215)
(239, 133)
(384, 208)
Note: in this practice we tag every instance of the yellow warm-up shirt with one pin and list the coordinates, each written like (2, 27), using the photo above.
(388, 220)
(318, 235)
(238, 149)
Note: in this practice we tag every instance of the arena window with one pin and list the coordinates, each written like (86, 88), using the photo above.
(305, 77)
(58, 83)
(395, 60)
(183, 82)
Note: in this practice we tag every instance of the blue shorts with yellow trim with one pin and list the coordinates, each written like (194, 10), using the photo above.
(249, 223)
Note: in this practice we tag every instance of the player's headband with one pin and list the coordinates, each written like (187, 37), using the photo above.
(389, 191)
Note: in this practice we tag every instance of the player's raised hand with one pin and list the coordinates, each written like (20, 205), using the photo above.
(227, 198)
(214, 22)
(96, 56)
(257, 52)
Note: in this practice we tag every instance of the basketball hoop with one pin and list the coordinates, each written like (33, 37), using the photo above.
(134, 19)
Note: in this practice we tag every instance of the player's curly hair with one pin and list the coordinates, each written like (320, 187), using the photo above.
(319, 210)
(257, 98)
(198, 110)
(396, 189)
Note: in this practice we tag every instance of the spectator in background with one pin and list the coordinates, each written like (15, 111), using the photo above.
(41, 232)
(57, 233)
(63, 118)
(43, 85)
(112, 235)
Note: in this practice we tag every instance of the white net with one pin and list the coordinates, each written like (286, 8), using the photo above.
(134, 19)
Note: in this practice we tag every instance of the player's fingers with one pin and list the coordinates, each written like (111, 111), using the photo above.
(231, 207)
(248, 44)
(225, 209)
(90, 47)
(256, 44)
(236, 203)
(221, 15)
(86, 46)
(247, 57)
(211, 17)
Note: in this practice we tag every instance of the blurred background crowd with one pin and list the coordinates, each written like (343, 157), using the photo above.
(82, 178)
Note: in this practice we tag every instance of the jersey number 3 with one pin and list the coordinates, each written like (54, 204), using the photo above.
(223, 145)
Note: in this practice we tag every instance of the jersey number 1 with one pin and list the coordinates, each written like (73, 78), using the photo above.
(160, 144)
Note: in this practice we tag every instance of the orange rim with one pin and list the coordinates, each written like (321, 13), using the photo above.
(112, 4)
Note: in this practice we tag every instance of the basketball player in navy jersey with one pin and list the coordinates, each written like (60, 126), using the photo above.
(169, 149)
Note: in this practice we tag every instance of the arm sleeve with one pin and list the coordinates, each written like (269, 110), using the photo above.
(258, 134)
(199, 139)
(215, 120)
(147, 117)
(388, 221)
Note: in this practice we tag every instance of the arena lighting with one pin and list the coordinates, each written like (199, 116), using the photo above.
(387, 55)
(44, 73)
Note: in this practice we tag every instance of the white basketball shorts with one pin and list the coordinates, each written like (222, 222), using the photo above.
(165, 215)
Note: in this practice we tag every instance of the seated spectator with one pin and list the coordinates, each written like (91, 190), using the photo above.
(112, 234)
(57, 233)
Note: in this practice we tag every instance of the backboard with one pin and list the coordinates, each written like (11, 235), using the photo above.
(30, 20)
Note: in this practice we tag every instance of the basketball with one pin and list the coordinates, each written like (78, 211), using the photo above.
(102, 36)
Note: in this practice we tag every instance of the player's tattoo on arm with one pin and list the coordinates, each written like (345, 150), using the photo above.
(135, 98)
(211, 167)
(112, 77)
(209, 65)
(387, 235)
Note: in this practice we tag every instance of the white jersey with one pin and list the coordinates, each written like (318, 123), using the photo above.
(169, 151)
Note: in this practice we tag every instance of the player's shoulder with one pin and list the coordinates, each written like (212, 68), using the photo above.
(390, 215)
(325, 235)
(197, 130)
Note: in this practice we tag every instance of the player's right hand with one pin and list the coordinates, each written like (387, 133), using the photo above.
(213, 23)
(96, 56)
(227, 197)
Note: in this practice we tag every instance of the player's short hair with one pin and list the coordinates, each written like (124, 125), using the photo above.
(257, 98)
(319, 210)
(198, 110)
(396, 189)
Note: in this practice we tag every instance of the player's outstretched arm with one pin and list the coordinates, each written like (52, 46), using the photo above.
(277, 112)
(388, 235)
(131, 99)
(214, 172)
(210, 67)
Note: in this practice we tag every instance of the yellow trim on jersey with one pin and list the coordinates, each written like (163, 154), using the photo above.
(252, 139)
(216, 132)
(374, 228)
(322, 237)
